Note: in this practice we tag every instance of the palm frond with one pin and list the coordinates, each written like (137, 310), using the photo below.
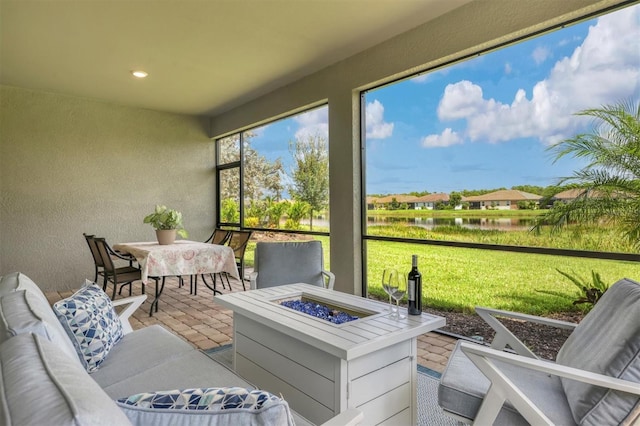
(611, 177)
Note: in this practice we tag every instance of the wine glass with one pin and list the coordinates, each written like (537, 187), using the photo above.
(397, 292)
(389, 278)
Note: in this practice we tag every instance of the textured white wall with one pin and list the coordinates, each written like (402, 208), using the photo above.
(473, 27)
(71, 165)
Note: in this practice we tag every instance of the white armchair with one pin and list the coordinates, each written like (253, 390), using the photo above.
(289, 263)
(594, 381)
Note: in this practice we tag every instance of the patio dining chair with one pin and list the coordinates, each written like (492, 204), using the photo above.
(99, 263)
(289, 263)
(219, 237)
(594, 381)
(123, 276)
(238, 241)
(95, 254)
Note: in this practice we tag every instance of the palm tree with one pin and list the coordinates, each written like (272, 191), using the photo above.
(611, 178)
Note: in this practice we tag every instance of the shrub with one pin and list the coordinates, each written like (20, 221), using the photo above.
(590, 291)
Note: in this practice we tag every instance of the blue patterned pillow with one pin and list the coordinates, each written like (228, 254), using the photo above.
(214, 399)
(210, 406)
(91, 323)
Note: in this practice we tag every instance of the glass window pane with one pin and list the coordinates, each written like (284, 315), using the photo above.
(229, 195)
(462, 153)
(229, 149)
(286, 173)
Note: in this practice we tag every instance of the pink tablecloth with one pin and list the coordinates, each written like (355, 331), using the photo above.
(181, 258)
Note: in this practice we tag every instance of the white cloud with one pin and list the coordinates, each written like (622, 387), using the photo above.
(461, 100)
(377, 128)
(313, 123)
(540, 54)
(507, 68)
(447, 138)
(605, 68)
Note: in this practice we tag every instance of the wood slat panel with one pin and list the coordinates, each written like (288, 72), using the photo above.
(402, 418)
(367, 363)
(309, 382)
(312, 409)
(396, 401)
(370, 386)
(318, 361)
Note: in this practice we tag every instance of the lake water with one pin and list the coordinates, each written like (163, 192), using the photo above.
(485, 223)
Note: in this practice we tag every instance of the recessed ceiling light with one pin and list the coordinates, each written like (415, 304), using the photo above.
(139, 73)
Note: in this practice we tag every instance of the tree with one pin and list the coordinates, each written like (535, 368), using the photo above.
(611, 178)
(455, 198)
(394, 204)
(260, 176)
(532, 189)
(297, 210)
(275, 211)
(310, 174)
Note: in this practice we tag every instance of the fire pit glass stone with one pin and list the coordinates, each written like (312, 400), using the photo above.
(319, 310)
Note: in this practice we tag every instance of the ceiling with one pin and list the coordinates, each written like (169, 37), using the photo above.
(203, 57)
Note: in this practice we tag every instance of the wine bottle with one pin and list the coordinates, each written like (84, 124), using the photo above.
(414, 288)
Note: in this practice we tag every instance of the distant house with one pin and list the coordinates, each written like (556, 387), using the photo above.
(572, 194)
(568, 195)
(505, 199)
(428, 202)
(409, 200)
(385, 202)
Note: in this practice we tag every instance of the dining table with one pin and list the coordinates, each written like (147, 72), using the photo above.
(183, 257)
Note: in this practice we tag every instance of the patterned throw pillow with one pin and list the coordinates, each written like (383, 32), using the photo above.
(213, 399)
(210, 406)
(91, 322)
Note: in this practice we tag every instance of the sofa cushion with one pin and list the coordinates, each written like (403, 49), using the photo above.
(18, 281)
(190, 370)
(27, 311)
(607, 341)
(41, 385)
(139, 351)
(91, 323)
(210, 406)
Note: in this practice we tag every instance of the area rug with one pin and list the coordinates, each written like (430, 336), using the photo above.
(429, 413)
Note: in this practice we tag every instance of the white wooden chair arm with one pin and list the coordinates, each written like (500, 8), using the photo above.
(332, 278)
(502, 388)
(350, 417)
(505, 337)
(552, 368)
(134, 303)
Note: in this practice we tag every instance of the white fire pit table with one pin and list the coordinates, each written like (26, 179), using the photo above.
(322, 368)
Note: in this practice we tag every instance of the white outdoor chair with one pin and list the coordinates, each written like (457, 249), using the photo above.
(289, 263)
(594, 381)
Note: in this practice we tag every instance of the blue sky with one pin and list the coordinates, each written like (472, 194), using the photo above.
(486, 122)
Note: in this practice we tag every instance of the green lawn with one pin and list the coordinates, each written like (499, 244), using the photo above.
(460, 279)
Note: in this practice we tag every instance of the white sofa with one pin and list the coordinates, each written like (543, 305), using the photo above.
(43, 379)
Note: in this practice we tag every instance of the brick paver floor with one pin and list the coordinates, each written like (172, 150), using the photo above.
(199, 320)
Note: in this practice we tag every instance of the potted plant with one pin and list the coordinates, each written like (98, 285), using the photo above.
(167, 223)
